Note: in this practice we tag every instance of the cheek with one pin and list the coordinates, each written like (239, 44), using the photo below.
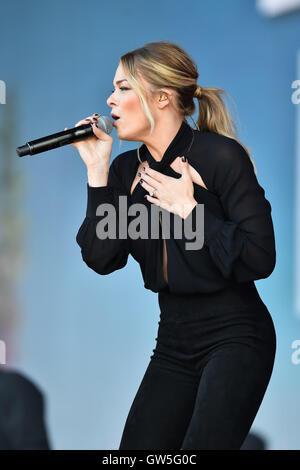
(131, 103)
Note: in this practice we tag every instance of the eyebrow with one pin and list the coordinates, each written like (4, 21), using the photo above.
(119, 81)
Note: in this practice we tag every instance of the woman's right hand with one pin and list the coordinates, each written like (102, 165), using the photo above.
(95, 150)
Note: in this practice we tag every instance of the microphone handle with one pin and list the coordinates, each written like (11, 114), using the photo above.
(56, 140)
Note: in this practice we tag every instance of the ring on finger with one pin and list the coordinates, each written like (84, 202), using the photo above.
(152, 192)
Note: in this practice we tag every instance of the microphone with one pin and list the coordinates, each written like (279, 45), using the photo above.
(64, 138)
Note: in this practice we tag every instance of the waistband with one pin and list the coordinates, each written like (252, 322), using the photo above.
(235, 297)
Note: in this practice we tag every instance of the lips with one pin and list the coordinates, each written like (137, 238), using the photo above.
(114, 116)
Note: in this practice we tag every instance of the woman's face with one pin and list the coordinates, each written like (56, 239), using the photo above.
(125, 103)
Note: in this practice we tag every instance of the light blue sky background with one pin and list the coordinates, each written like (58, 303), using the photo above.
(86, 339)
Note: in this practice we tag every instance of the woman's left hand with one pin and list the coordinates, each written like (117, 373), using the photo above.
(173, 194)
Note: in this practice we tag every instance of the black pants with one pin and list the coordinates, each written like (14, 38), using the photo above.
(207, 377)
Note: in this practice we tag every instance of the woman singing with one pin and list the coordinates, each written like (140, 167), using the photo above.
(216, 342)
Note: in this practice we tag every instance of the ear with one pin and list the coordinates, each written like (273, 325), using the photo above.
(164, 97)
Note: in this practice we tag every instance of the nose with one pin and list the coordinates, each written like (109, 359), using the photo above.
(111, 100)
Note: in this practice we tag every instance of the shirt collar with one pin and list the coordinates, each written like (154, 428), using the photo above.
(177, 147)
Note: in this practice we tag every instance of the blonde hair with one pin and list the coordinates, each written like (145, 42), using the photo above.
(166, 65)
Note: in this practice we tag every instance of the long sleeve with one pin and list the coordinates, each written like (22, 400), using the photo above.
(108, 254)
(242, 246)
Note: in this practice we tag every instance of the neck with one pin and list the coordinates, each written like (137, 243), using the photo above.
(163, 134)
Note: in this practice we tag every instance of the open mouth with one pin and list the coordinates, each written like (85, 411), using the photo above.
(115, 118)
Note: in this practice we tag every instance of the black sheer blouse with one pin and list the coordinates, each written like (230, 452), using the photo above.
(239, 242)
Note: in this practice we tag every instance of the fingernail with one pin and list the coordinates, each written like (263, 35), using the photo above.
(96, 114)
(139, 174)
(141, 181)
(144, 168)
(183, 159)
(95, 119)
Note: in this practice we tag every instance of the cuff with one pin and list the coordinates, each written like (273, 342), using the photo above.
(96, 196)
